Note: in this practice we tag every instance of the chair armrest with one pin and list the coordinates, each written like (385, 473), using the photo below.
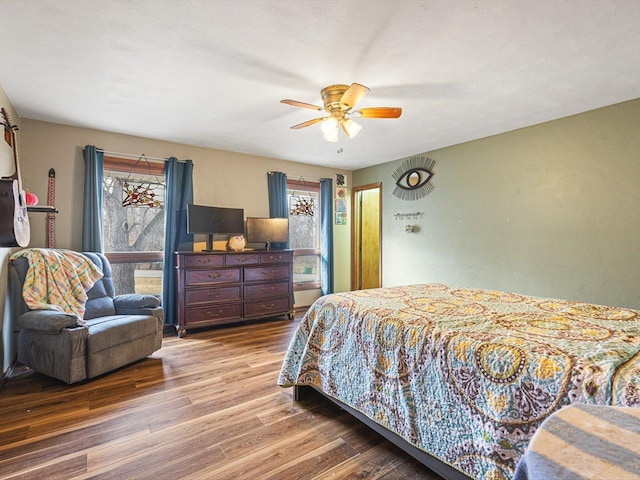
(48, 321)
(135, 304)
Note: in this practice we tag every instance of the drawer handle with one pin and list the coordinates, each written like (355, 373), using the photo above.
(214, 275)
(242, 260)
(267, 307)
(274, 258)
(214, 294)
(265, 290)
(203, 262)
(213, 314)
(269, 273)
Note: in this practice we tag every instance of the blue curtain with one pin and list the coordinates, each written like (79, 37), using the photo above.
(278, 207)
(92, 206)
(326, 235)
(179, 192)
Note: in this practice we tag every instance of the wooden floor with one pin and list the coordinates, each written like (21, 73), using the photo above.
(203, 407)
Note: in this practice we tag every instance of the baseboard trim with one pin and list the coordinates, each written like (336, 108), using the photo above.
(168, 329)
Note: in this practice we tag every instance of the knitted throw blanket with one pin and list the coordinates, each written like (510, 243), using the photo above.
(58, 280)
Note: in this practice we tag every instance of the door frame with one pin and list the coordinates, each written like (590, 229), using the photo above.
(355, 225)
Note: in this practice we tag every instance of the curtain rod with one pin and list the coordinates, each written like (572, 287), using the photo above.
(156, 159)
(300, 178)
(303, 180)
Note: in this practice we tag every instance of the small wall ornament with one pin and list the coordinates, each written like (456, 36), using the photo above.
(413, 178)
(142, 194)
(138, 193)
(302, 203)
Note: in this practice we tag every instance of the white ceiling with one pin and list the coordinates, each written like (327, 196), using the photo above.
(212, 73)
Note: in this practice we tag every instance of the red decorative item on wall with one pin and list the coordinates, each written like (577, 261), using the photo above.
(31, 198)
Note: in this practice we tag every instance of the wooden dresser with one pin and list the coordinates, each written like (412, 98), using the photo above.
(217, 288)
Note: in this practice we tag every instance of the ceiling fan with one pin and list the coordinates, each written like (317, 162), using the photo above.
(339, 101)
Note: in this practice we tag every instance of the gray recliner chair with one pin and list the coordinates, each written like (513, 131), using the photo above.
(118, 330)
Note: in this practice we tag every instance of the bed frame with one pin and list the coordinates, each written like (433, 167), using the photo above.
(446, 471)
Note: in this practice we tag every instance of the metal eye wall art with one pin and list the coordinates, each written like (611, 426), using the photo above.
(413, 178)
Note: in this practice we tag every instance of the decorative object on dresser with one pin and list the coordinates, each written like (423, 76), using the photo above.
(236, 243)
(218, 288)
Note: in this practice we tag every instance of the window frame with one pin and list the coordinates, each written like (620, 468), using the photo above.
(307, 186)
(117, 164)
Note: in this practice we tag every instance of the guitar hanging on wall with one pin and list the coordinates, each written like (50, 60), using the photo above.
(14, 222)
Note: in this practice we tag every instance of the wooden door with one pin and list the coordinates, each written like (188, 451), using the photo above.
(366, 268)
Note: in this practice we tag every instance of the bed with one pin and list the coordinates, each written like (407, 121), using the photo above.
(461, 378)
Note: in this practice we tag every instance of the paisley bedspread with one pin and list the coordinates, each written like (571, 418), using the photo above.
(466, 375)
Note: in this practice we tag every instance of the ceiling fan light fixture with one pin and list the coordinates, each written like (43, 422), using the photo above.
(338, 101)
(329, 129)
(350, 127)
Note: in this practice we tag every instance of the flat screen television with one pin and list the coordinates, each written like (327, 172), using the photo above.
(214, 221)
(267, 230)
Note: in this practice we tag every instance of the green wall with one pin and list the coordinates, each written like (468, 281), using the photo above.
(550, 210)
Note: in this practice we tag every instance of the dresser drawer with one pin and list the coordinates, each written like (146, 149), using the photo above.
(242, 259)
(202, 295)
(212, 313)
(275, 289)
(222, 275)
(275, 272)
(275, 257)
(191, 261)
(267, 307)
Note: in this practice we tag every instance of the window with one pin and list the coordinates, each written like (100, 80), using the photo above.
(304, 232)
(133, 232)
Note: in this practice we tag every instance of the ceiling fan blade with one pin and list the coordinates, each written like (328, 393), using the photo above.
(353, 95)
(309, 123)
(295, 103)
(379, 112)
